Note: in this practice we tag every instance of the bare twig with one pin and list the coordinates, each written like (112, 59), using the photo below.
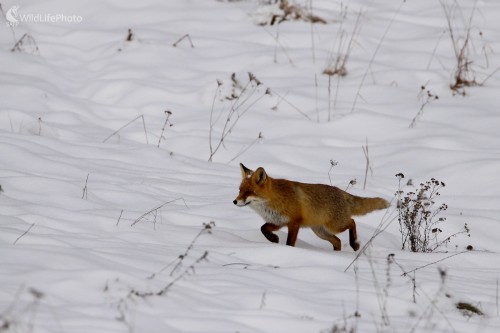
(352, 182)
(168, 114)
(313, 46)
(24, 233)
(433, 306)
(119, 218)
(219, 84)
(290, 104)
(368, 166)
(263, 300)
(278, 43)
(186, 36)
(316, 95)
(329, 96)
(127, 124)
(164, 290)
(240, 104)
(433, 54)
(405, 273)
(489, 76)
(259, 138)
(380, 293)
(333, 164)
(26, 41)
(426, 100)
(39, 126)
(85, 190)
(337, 64)
(382, 39)
(207, 227)
(154, 210)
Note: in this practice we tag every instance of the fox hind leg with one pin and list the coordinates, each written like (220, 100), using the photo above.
(353, 237)
(323, 233)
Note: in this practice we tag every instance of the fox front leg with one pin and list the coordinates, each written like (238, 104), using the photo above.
(293, 231)
(267, 230)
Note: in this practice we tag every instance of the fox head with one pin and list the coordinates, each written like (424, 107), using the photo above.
(251, 187)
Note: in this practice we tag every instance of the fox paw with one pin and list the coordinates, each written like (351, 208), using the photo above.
(273, 238)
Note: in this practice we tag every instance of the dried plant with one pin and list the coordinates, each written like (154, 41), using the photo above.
(337, 64)
(288, 11)
(241, 99)
(418, 217)
(426, 96)
(464, 75)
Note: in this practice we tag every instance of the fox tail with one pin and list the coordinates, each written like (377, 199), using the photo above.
(361, 206)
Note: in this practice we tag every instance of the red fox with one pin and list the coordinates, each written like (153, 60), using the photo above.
(327, 210)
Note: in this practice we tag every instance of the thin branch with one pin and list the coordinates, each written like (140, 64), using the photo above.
(26, 41)
(263, 300)
(247, 147)
(127, 124)
(186, 36)
(85, 190)
(313, 46)
(168, 113)
(219, 84)
(244, 100)
(169, 285)
(155, 209)
(24, 233)
(368, 166)
(405, 273)
(278, 43)
(207, 227)
(293, 106)
(358, 93)
(119, 218)
(333, 163)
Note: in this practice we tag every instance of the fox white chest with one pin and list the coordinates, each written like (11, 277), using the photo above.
(269, 215)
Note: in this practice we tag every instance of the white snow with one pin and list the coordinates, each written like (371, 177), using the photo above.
(139, 233)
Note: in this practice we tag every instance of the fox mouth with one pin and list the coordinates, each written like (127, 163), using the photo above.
(243, 205)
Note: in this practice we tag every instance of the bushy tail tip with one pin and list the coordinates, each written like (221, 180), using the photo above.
(362, 206)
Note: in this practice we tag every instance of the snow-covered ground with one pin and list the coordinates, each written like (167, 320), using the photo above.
(113, 219)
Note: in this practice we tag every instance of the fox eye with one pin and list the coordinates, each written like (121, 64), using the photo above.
(248, 193)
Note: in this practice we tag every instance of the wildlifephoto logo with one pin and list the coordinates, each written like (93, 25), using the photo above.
(14, 17)
(11, 16)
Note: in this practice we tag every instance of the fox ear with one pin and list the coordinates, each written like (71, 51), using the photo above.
(260, 176)
(245, 172)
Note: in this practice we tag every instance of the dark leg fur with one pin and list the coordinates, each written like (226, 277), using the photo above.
(267, 230)
(353, 237)
(293, 231)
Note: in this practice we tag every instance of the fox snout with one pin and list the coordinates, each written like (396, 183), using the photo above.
(240, 203)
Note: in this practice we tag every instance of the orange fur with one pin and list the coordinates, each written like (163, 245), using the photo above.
(327, 210)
